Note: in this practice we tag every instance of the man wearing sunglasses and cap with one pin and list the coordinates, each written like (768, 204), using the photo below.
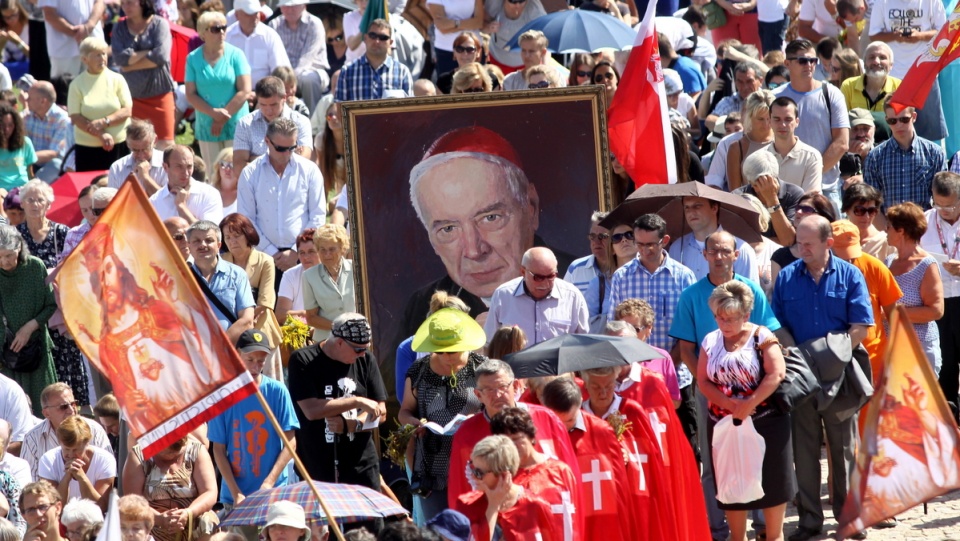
(339, 397)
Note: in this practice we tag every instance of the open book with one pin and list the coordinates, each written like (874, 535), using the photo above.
(450, 428)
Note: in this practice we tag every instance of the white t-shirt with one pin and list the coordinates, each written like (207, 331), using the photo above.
(102, 466)
(457, 10)
(891, 16)
(291, 287)
(74, 12)
(771, 11)
(351, 27)
(823, 22)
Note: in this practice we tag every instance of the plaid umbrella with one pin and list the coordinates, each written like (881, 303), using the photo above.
(348, 503)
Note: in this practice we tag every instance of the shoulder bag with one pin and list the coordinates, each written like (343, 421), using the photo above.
(29, 356)
(798, 385)
(715, 15)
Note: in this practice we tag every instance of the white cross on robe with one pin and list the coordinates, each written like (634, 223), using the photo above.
(640, 459)
(595, 477)
(567, 509)
(658, 428)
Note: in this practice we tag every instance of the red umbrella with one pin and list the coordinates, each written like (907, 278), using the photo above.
(179, 50)
(66, 191)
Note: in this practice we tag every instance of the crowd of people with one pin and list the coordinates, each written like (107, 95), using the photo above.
(237, 139)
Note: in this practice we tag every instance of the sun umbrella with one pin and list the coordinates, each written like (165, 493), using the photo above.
(348, 503)
(573, 352)
(737, 215)
(66, 190)
(578, 31)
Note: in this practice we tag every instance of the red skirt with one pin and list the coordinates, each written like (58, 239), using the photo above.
(159, 110)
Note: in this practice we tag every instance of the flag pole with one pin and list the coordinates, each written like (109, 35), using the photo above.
(300, 467)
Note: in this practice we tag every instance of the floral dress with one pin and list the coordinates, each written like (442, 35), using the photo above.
(71, 368)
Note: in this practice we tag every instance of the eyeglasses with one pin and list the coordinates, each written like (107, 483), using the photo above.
(595, 237)
(503, 389)
(804, 60)
(650, 245)
(281, 149)
(542, 277)
(951, 208)
(63, 407)
(35, 201)
(179, 237)
(472, 89)
(902, 120)
(477, 473)
(861, 210)
(806, 208)
(640, 328)
(218, 29)
(226, 165)
(581, 73)
(376, 36)
(38, 509)
(335, 39)
(97, 212)
(541, 84)
(461, 49)
(617, 238)
(715, 253)
(598, 78)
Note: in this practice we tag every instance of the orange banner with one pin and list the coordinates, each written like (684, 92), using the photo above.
(909, 450)
(137, 313)
(944, 48)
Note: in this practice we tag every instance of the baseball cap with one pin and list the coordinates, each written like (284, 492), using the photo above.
(846, 239)
(253, 340)
(26, 82)
(672, 81)
(451, 524)
(283, 3)
(860, 117)
(250, 7)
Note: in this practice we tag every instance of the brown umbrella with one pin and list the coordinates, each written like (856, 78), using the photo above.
(737, 215)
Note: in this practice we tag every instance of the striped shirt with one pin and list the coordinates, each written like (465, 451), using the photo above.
(904, 175)
(359, 81)
(50, 133)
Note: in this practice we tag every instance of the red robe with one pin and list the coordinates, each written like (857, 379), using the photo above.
(530, 397)
(554, 482)
(552, 440)
(607, 491)
(529, 520)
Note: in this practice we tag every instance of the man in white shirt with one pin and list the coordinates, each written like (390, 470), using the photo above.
(260, 44)
(702, 216)
(68, 22)
(305, 42)
(14, 409)
(144, 163)
(282, 194)
(9, 463)
(58, 404)
(248, 140)
(183, 196)
(817, 22)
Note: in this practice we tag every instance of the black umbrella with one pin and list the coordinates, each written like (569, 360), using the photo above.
(737, 215)
(574, 352)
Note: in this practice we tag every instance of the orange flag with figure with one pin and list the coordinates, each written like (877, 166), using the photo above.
(944, 48)
(137, 313)
(909, 451)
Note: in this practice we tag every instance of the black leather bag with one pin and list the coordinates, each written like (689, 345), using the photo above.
(798, 385)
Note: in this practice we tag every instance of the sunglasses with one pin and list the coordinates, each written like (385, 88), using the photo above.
(807, 209)
(462, 49)
(280, 148)
(97, 212)
(358, 350)
(861, 210)
(598, 78)
(477, 473)
(541, 84)
(804, 60)
(335, 39)
(542, 277)
(902, 120)
(516, 1)
(179, 237)
(617, 238)
(376, 36)
(218, 29)
(63, 407)
(226, 165)
(471, 90)
(772, 86)
(581, 73)
(594, 237)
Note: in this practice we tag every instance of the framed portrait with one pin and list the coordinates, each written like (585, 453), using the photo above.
(447, 192)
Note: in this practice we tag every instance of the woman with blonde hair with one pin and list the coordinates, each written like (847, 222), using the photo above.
(757, 133)
(225, 179)
(471, 78)
(328, 287)
(540, 76)
(467, 49)
(76, 468)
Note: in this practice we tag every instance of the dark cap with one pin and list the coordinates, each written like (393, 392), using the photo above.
(253, 340)
(355, 330)
(451, 524)
(12, 200)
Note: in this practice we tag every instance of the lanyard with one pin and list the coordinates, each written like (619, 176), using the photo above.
(943, 241)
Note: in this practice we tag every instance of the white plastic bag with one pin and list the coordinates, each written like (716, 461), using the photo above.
(738, 461)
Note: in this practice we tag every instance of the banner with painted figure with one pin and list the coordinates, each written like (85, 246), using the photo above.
(909, 450)
(137, 313)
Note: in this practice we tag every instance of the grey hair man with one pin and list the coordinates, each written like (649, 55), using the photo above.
(144, 164)
(227, 281)
(49, 128)
(761, 172)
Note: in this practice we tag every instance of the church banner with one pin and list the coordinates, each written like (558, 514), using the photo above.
(137, 313)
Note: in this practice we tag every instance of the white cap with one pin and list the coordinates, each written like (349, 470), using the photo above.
(250, 7)
(284, 3)
(677, 30)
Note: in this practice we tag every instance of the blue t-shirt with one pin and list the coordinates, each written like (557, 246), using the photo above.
(694, 319)
(252, 444)
(217, 85)
(13, 165)
(405, 359)
(690, 74)
(232, 286)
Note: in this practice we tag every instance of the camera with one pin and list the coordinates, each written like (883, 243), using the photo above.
(906, 32)
(421, 485)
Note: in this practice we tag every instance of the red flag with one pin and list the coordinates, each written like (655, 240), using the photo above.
(638, 126)
(909, 451)
(943, 49)
(137, 313)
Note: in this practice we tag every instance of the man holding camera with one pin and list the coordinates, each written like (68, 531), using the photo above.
(907, 26)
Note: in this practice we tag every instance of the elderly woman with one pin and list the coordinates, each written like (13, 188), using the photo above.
(100, 105)
(810, 204)
(76, 468)
(79, 516)
(765, 247)
(918, 276)
(438, 388)
(861, 203)
(757, 133)
(740, 366)
(604, 73)
(218, 84)
(241, 239)
(581, 69)
(141, 45)
(499, 503)
(225, 180)
(467, 49)
(761, 173)
(27, 303)
(17, 154)
(136, 518)
(471, 78)
(286, 521)
(623, 250)
(180, 485)
(328, 287)
(46, 239)
(290, 294)
(540, 77)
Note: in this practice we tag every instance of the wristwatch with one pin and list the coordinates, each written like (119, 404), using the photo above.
(774, 208)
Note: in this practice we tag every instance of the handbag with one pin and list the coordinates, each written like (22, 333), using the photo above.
(715, 15)
(29, 356)
(737, 450)
(799, 383)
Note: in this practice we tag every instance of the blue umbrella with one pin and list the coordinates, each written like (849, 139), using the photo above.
(579, 31)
